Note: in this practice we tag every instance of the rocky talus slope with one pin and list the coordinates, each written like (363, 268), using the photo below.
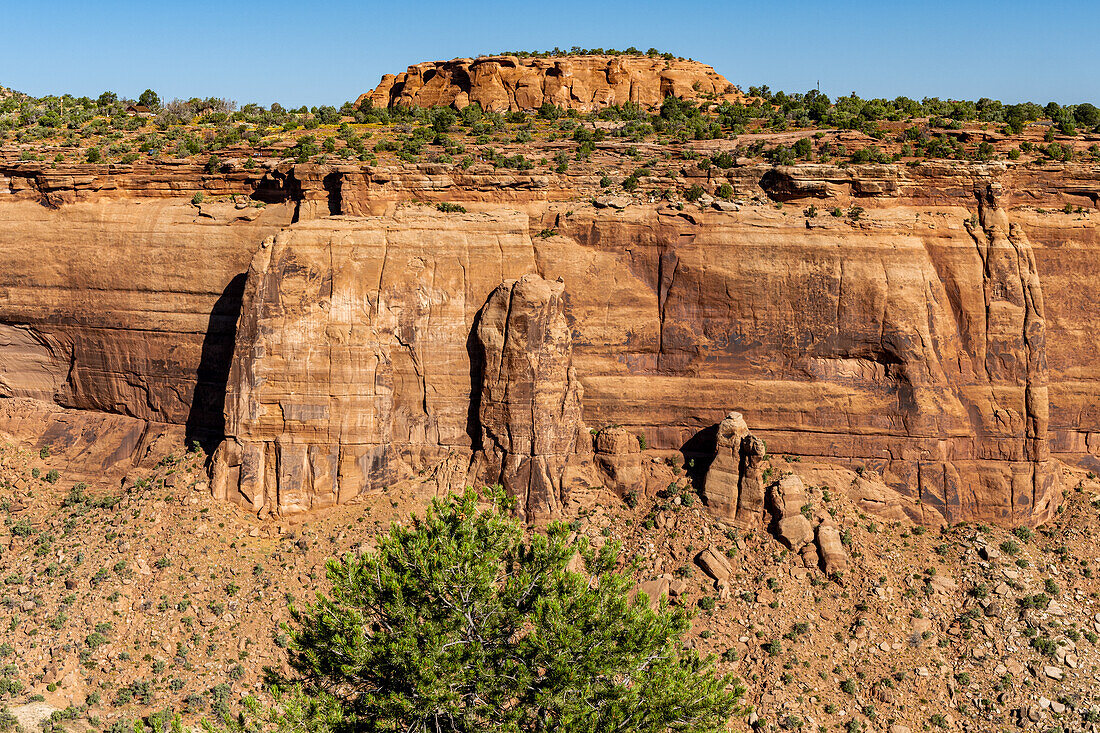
(148, 598)
(586, 83)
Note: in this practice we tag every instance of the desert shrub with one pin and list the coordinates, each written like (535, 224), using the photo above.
(459, 622)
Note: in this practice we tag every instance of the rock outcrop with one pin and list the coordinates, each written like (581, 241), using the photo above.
(814, 536)
(788, 497)
(942, 341)
(619, 459)
(295, 442)
(530, 397)
(734, 486)
(834, 559)
(511, 83)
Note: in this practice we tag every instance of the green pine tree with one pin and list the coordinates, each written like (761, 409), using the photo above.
(460, 622)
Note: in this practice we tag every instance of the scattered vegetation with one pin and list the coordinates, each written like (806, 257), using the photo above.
(219, 136)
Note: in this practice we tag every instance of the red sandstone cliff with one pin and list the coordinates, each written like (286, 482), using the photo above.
(944, 339)
(587, 83)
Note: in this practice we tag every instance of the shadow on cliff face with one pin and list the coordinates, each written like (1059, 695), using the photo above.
(473, 412)
(698, 453)
(333, 185)
(206, 419)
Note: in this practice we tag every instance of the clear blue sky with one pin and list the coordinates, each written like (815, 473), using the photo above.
(329, 51)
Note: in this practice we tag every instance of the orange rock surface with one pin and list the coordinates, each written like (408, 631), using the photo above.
(944, 339)
(586, 83)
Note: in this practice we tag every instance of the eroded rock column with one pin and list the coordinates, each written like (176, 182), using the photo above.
(310, 399)
(734, 487)
(1013, 358)
(530, 408)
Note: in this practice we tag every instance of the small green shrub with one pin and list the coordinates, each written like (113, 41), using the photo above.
(694, 193)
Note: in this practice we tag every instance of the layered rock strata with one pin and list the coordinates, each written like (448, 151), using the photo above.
(126, 306)
(942, 340)
(586, 83)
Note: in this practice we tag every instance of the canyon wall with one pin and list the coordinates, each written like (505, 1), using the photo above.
(585, 83)
(944, 339)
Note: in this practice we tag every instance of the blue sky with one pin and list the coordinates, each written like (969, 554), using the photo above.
(329, 51)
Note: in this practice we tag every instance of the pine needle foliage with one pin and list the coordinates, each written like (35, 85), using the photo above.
(464, 622)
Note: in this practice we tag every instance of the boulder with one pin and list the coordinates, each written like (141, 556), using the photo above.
(788, 496)
(833, 556)
(811, 558)
(653, 590)
(714, 563)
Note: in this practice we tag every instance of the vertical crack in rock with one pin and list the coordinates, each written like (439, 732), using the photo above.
(666, 274)
(530, 409)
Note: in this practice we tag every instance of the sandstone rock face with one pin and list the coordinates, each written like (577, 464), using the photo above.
(510, 83)
(294, 444)
(619, 460)
(352, 352)
(944, 341)
(357, 359)
(530, 398)
(124, 306)
(872, 495)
